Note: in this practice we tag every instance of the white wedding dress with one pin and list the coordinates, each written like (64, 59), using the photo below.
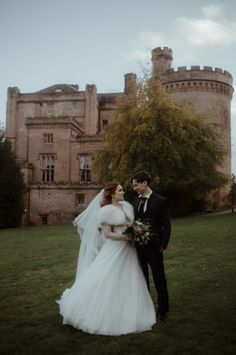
(111, 296)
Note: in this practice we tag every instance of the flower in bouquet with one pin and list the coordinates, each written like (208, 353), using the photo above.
(138, 233)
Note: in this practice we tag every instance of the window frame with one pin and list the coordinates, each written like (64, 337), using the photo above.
(47, 168)
(85, 169)
(48, 138)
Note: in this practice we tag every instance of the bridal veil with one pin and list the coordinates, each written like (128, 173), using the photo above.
(91, 236)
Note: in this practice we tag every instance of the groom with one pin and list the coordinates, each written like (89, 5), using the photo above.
(151, 207)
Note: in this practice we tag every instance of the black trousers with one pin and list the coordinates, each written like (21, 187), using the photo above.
(150, 255)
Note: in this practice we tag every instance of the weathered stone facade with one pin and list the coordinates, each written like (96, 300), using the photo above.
(54, 132)
(209, 90)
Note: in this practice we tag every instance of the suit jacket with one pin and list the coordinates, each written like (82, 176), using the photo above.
(158, 217)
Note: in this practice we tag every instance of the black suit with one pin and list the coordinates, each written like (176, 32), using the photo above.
(156, 214)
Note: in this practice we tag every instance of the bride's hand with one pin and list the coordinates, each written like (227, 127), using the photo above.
(128, 224)
(123, 237)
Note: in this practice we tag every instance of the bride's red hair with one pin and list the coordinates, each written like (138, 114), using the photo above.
(109, 190)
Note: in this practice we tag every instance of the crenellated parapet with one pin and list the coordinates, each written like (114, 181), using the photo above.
(162, 52)
(196, 72)
(198, 68)
(208, 79)
(195, 78)
(199, 85)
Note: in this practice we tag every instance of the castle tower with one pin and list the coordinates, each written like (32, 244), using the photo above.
(11, 124)
(130, 81)
(161, 61)
(209, 90)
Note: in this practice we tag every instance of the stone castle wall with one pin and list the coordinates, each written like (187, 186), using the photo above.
(209, 90)
(75, 118)
(57, 203)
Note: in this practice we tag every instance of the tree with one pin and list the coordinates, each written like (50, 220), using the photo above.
(173, 142)
(12, 187)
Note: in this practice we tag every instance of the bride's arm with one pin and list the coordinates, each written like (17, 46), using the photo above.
(107, 230)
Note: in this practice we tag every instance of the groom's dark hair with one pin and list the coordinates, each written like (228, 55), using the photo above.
(142, 176)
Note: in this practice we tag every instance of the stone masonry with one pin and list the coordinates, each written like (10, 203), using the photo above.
(54, 131)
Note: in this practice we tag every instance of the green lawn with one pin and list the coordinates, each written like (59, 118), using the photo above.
(38, 263)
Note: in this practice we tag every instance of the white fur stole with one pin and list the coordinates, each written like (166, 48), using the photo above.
(113, 215)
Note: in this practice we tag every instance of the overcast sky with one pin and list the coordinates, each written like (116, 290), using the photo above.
(46, 42)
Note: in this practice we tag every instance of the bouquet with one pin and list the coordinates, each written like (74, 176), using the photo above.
(138, 233)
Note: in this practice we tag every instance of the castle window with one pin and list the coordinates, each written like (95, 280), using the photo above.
(104, 123)
(50, 109)
(48, 138)
(79, 199)
(85, 168)
(44, 219)
(47, 168)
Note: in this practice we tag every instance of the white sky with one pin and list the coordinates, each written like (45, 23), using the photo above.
(46, 42)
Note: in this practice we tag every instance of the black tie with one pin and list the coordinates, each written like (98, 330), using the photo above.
(141, 206)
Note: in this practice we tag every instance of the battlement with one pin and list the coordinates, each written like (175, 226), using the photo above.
(162, 59)
(162, 52)
(198, 68)
(195, 72)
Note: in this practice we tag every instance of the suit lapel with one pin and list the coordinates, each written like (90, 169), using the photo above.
(136, 203)
(149, 203)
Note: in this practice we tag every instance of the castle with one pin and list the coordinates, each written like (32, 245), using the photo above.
(54, 132)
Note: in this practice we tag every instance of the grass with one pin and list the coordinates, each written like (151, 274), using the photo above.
(38, 263)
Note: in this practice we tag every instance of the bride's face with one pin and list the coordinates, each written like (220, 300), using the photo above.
(119, 194)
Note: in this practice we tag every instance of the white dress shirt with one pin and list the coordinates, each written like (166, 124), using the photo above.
(147, 197)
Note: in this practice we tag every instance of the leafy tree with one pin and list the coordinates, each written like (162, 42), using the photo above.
(12, 187)
(174, 143)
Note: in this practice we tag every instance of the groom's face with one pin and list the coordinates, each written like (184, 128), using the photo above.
(139, 187)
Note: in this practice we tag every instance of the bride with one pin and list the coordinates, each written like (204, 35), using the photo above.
(109, 295)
